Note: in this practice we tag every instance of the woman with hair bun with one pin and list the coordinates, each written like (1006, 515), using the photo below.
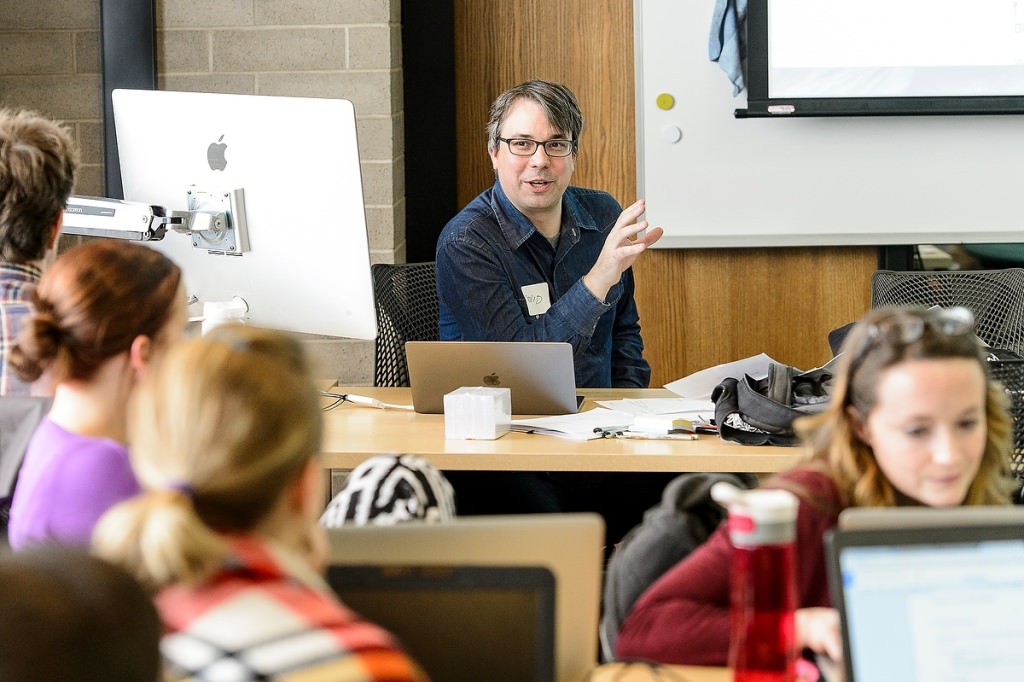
(224, 439)
(104, 312)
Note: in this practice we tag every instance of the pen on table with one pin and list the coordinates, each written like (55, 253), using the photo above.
(609, 431)
(639, 435)
(705, 425)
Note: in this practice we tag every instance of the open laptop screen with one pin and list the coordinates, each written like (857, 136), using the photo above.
(929, 604)
(461, 623)
(539, 374)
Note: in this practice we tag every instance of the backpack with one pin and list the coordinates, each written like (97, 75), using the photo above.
(669, 531)
(762, 411)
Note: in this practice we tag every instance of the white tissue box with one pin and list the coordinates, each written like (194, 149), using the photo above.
(477, 412)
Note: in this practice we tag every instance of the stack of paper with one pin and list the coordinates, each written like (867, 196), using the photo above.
(596, 423)
(661, 424)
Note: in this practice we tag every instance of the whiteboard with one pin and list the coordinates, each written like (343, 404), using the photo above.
(729, 182)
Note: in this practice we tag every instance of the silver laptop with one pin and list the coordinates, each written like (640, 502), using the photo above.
(539, 374)
(568, 545)
(929, 603)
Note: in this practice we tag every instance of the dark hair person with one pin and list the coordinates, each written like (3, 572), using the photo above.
(73, 617)
(38, 161)
(536, 258)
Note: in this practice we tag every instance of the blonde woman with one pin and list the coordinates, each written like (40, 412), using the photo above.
(224, 438)
(913, 421)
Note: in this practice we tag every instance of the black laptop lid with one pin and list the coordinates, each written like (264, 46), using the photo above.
(461, 623)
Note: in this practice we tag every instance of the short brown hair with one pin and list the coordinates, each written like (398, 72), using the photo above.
(555, 99)
(90, 305)
(38, 161)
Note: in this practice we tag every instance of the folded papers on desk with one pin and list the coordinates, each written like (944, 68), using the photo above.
(698, 411)
(604, 423)
(662, 423)
(595, 423)
(694, 409)
(701, 384)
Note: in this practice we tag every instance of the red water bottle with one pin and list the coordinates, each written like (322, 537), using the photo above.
(762, 529)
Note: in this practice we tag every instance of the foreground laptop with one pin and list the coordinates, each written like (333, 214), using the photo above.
(567, 545)
(867, 518)
(540, 375)
(460, 623)
(929, 602)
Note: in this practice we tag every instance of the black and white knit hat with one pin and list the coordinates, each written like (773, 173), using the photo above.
(389, 489)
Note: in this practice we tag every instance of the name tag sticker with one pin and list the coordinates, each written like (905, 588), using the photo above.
(537, 298)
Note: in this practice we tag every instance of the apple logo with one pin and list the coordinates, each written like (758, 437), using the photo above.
(215, 155)
(492, 379)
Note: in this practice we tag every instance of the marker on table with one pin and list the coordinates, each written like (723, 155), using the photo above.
(643, 435)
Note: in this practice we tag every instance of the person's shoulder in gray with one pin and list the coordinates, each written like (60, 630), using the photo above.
(38, 161)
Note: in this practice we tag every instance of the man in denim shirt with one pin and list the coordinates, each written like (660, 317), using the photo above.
(535, 259)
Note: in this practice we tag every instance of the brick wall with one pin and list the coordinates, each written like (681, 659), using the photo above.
(50, 61)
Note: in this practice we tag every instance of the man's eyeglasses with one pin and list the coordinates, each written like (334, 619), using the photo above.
(522, 146)
(907, 327)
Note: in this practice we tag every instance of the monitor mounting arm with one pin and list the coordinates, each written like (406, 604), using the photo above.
(214, 221)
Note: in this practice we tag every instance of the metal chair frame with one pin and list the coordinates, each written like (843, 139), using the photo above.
(407, 310)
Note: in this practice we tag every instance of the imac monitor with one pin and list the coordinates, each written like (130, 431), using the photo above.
(303, 264)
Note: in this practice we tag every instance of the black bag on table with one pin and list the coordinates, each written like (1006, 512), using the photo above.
(762, 411)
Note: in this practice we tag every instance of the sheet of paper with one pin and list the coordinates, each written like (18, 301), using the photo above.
(580, 426)
(701, 384)
(689, 408)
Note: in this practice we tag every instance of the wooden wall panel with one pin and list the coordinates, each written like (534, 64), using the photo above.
(586, 44)
(698, 307)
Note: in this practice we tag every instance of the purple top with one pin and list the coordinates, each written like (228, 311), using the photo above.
(66, 483)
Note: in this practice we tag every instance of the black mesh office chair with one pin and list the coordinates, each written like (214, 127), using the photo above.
(407, 310)
(1011, 374)
(996, 297)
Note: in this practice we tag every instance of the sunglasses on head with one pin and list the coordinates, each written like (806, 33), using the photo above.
(907, 326)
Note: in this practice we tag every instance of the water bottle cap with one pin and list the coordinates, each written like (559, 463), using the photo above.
(762, 504)
(769, 506)
(759, 515)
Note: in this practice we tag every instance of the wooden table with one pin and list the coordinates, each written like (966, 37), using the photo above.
(636, 672)
(354, 432)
